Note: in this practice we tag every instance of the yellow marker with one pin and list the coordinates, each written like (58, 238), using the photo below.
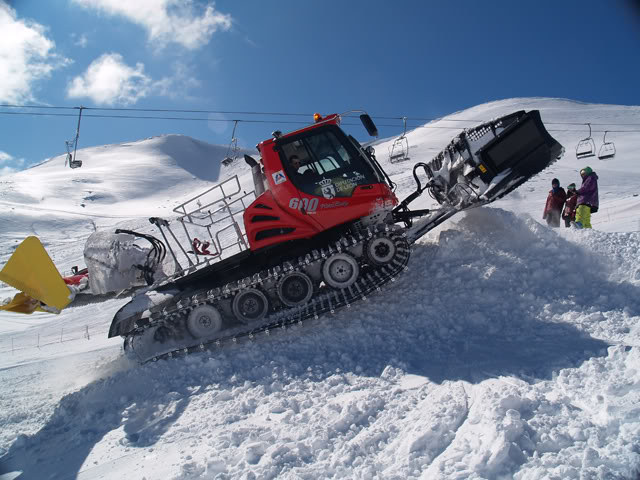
(31, 271)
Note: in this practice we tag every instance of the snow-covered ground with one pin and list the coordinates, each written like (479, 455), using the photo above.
(508, 350)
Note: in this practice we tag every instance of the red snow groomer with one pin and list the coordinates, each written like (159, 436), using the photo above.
(321, 230)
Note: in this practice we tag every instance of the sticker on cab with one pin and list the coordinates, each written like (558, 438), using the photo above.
(279, 177)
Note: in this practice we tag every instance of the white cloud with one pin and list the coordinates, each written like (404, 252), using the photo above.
(81, 40)
(5, 158)
(7, 171)
(26, 56)
(178, 84)
(167, 21)
(109, 80)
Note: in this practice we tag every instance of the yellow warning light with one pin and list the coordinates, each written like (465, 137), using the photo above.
(317, 117)
(482, 168)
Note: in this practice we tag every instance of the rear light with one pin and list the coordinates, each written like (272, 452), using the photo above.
(317, 117)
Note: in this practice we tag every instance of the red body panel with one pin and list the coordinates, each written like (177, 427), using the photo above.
(285, 213)
(75, 279)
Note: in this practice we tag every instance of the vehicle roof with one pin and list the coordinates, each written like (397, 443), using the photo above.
(333, 119)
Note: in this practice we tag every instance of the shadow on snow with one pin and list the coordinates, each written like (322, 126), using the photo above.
(487, 301)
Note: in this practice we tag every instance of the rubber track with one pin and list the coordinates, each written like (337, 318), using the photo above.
(327, 301)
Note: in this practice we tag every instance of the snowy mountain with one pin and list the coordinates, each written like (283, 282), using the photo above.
(508, 350)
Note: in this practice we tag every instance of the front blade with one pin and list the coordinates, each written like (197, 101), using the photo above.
(485, 163)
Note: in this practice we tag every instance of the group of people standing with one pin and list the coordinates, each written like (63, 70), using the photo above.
(574, 206)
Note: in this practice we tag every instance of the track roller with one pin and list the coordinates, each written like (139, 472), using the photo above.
(380, 250)
(295, 288)
(250, 305)
(340, 270)
(203, 321)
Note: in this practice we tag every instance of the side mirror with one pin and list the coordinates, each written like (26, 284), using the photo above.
(372, 130)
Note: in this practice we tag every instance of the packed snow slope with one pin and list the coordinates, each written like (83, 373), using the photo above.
(508, 350)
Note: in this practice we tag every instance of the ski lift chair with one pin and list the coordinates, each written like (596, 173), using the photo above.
(232, 151)
(607, 150)
(586, 147)
(399, 151)
(73, 145)
(73, 163)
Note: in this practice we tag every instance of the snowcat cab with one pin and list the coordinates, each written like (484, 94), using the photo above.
(318, 178)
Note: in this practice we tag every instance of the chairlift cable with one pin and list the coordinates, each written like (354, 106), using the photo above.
(166, 110)
(290, 122)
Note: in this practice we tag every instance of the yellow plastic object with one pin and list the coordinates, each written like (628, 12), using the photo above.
(31, 271)
(21, 303)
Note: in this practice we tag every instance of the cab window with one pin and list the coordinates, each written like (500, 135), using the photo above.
(319, 163)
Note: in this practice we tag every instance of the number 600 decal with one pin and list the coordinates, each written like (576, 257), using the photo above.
(309, 205)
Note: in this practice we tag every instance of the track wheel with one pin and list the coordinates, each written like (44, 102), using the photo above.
(203, 321)
(295, 289)
(380, 250)
(250, 305)
(340, 270)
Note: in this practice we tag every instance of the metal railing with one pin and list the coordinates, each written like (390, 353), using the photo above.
(212, 218)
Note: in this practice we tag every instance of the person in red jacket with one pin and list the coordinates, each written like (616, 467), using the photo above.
(569, 212)
(555, 202)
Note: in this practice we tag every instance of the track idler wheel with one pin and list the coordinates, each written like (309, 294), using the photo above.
(380, 250)
(340, 270)
(203, 321)
(250, 306)
(295, 288)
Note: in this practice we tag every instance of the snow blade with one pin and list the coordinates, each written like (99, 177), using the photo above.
(487, 162)
(31, 271)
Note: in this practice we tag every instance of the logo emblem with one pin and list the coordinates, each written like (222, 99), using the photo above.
(328, 189)
(279, 177)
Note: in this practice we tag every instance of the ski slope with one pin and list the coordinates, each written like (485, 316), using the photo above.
(508, 350)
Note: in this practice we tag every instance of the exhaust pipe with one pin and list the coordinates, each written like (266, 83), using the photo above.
(256, 171)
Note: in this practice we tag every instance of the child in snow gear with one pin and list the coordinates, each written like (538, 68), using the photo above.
(587, 198)
(555, 202)
(569, 212)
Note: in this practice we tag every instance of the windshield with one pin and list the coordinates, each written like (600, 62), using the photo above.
(323, 162)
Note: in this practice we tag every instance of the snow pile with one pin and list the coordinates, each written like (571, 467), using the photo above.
(508, 350)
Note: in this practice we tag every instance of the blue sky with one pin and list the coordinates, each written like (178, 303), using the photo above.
(419, 59)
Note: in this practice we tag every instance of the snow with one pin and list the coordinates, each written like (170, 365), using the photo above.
(508, 350)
